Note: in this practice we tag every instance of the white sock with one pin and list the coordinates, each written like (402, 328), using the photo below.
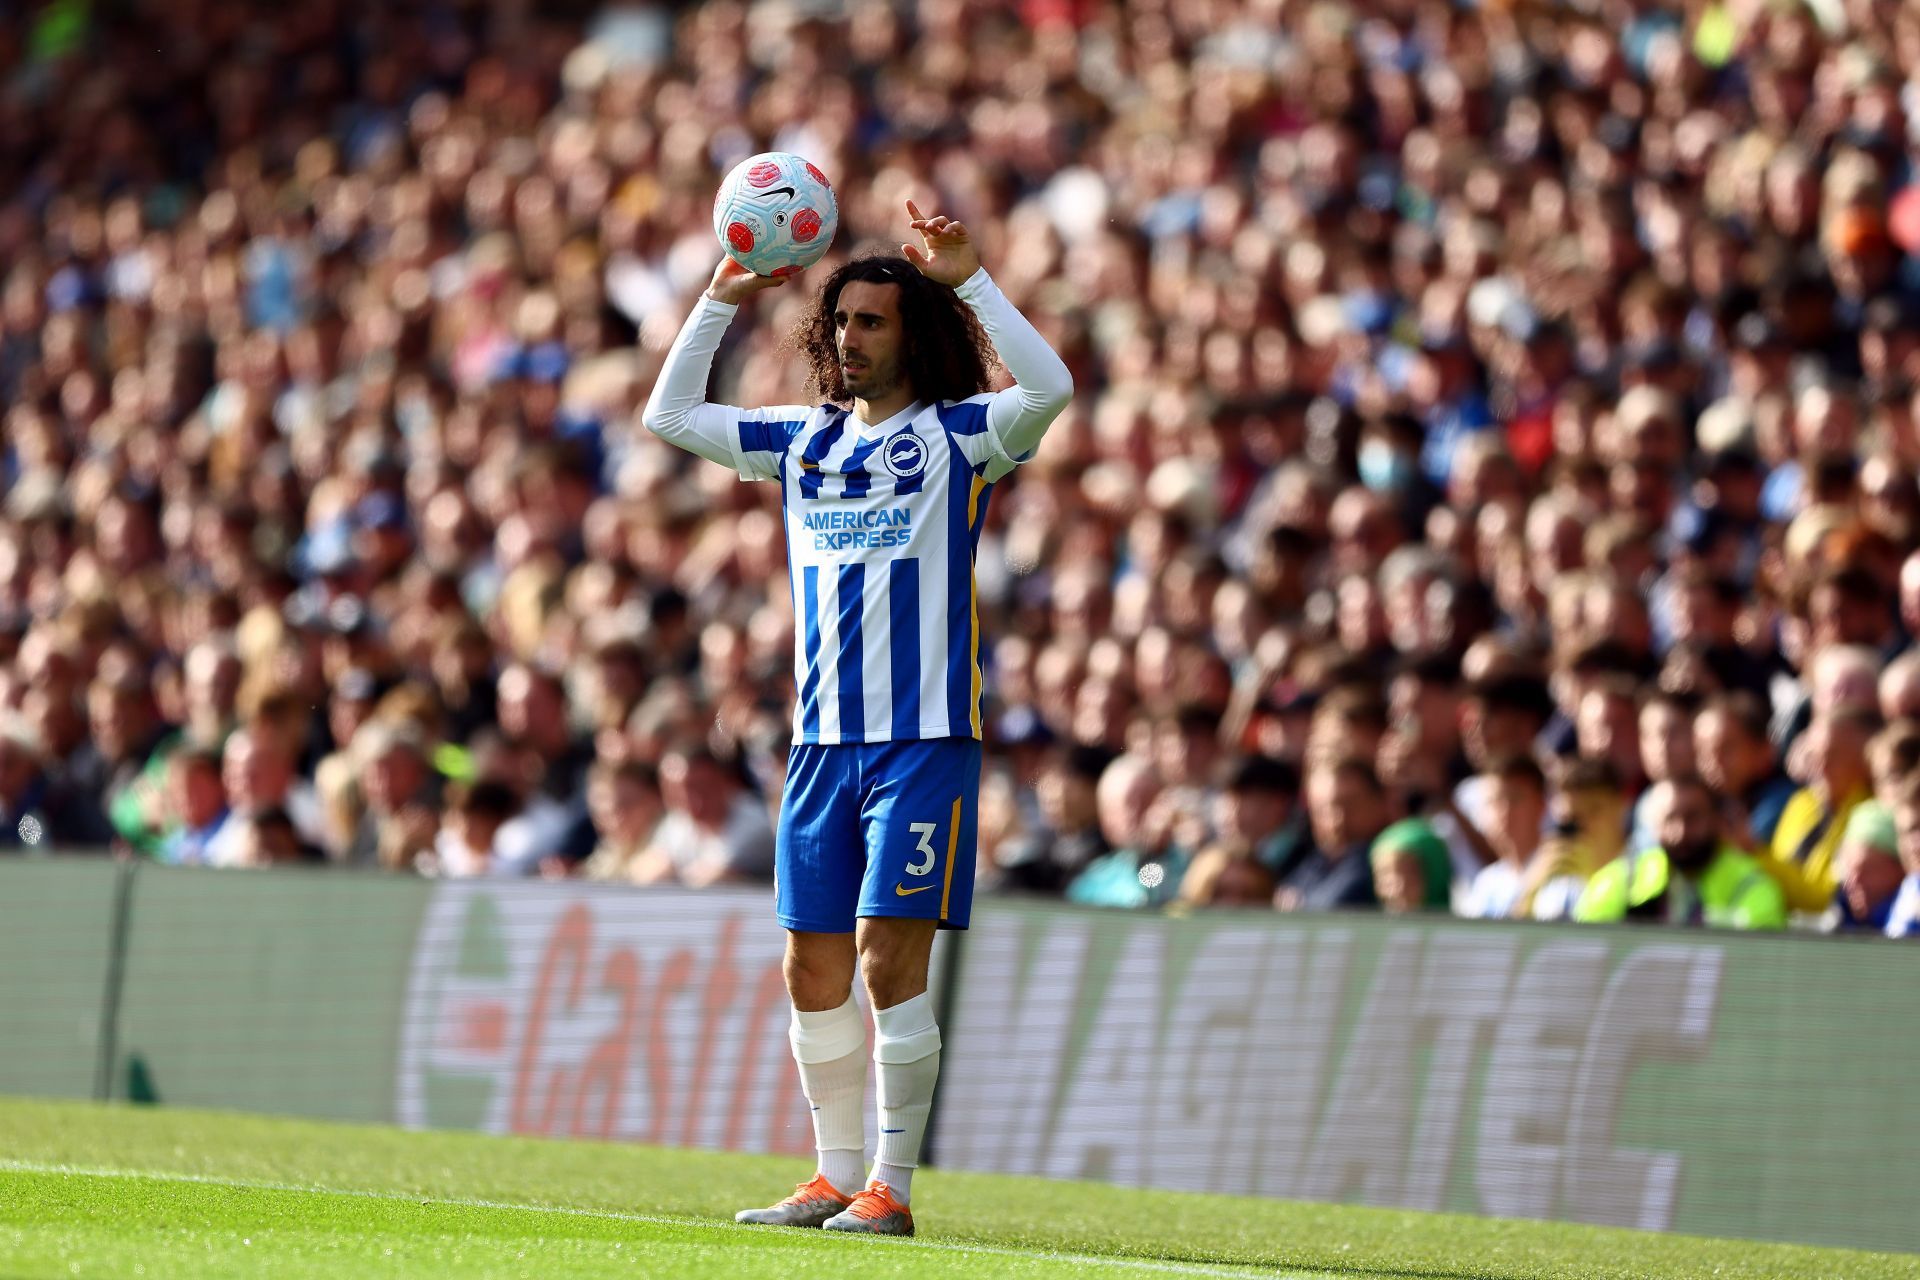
(829, 1047)
(906, 1055)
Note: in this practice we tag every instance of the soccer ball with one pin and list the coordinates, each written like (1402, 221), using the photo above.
(775, 214)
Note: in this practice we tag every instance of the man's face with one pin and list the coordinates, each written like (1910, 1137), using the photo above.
(345, 716)
(393, 777)
(624, 807)
(1605, 727)
(196, 795)
(1515, 810)
(254, 773)
(1840, 749)
(1340, 809)
(1842, 619)
(1429, 707)
(1123, 802)
(115, 720)
(1066, 799)
(1251, 813)
(55, 714)
(1666, 741)
(1491, 732)
(1690, 829)
(1726, 757)
(866, 332)
(531, 710)
(212, 683)
(697, 788)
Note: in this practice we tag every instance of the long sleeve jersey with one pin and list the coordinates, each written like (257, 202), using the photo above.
(883, 522)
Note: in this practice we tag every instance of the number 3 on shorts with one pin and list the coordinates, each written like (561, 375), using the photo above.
(925, 830)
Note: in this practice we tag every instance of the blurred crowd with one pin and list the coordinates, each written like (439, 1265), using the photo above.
(1491, 487)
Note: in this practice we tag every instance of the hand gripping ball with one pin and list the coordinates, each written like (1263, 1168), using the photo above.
(775, 214)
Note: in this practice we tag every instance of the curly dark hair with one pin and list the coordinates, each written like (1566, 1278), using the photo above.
(944, 355)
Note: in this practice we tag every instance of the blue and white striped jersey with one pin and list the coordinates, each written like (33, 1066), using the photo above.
(883, 522)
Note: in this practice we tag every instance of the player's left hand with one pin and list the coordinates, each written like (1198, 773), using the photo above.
(947, 255)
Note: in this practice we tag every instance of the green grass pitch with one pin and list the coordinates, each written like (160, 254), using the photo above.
(119, 1191)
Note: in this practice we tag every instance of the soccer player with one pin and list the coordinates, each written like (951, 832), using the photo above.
(884, 503)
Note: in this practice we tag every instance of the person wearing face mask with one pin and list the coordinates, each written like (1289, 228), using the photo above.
(1388, 461)
(1693, 877)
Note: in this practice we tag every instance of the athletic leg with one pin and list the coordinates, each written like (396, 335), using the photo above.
(919, 809)
(894, 956)
(818, 863)
(829, 1040)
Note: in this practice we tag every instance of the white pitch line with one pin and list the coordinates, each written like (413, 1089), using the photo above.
(1155, 1265)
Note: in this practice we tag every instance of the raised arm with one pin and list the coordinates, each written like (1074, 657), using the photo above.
(748, 440)
(678, 411)
(1021, 414)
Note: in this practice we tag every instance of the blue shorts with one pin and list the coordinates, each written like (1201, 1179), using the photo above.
(878, 829)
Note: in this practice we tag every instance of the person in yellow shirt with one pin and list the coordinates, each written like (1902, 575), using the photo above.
(1692, 877)
(1805, 844)
(1589, 812)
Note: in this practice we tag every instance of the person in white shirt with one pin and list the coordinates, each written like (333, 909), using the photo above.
(1516, 808)
(714, 829)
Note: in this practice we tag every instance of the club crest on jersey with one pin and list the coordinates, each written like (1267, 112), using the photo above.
(905, 455)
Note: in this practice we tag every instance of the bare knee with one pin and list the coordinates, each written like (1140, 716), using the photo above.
(893, 959)
(819, 970)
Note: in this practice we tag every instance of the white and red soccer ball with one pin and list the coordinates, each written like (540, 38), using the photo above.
(775, 214)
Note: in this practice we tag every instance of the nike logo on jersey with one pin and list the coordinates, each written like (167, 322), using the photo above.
(903, 891)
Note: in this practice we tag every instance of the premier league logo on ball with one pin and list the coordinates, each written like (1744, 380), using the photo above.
(905, 455)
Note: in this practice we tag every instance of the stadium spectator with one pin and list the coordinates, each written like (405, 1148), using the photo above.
(1069, 836)
(467, 844)
(393, 797)
(1868, 870)
(1903, 918)
(258, 776)
(269, 838)
(1738, 761)
(1412, 869)
(1811, 825)
(714, 829)
(1145, 868)
(623, 800)
(1691, 878)
(123, 731)
(1587, 828)
(196, 808)
(23, 788)
(1226, 875)
(1345, 811)
(1258, 807)
(1516, 809)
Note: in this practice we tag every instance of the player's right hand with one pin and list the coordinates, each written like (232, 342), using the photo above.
(733, 283)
